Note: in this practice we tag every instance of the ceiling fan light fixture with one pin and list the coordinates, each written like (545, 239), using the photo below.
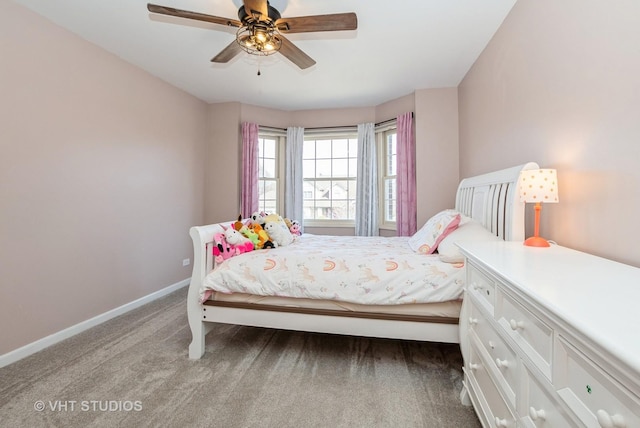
(259, 41)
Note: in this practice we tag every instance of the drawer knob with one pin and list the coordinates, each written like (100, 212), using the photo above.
(501, 422)
(474, 366)
(607, 421)
(515, 325)
(473, 321)
(537, 414)
(475, 286)
(502, 364)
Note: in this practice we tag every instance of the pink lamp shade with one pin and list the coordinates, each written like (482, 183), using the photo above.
(538, 186)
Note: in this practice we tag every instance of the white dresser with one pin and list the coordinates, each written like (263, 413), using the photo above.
(550, 337)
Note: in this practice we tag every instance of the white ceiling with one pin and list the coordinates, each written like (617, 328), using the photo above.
(399, 47)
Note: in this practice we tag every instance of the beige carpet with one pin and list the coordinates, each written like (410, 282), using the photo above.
(133, 371)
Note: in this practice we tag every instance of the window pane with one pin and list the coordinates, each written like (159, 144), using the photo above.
(353, 167)
(268, 174)
(269, 168)
(390, 199)
(323, 168)
(309, 149)
(323, 149)
(340, 148)
(309, 168)
(353, 147)
(341, 168)
(269, 150)
(391, 154)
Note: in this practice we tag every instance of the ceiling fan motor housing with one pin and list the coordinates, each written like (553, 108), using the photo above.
(245, 18)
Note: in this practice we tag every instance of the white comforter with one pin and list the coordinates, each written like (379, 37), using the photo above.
(365, 270)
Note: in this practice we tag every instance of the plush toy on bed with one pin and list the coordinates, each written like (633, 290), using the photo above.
(252, 236)
(238, 224)
(295, 228)
(279, 235)
(238, 242)
(221, 249)
(257, 218)
(264, 241)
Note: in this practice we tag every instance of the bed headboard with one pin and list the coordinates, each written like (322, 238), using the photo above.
(493, 200)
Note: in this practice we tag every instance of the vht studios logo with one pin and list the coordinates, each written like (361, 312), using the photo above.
(88, 406)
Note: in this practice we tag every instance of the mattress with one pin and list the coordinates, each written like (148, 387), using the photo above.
(347, 269)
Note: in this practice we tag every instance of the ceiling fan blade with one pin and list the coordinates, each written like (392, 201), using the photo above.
(257, 6)
(295, 55)
(228, 53)
(307, 24)
(163, 10)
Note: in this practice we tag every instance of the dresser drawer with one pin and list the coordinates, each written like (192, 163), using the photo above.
(494, 408)
(500, 358)
(482, 286)
(538, 408)
(529, 332)
(593, 396)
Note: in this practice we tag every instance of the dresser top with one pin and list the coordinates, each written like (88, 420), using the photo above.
(597, 297)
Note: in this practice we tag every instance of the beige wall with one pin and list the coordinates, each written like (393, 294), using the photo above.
(436, 123)
(559, 85)
(101, 176)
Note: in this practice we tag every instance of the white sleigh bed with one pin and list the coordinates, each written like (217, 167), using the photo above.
(490, 199)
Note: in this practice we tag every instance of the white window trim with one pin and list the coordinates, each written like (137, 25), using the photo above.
(381, 143)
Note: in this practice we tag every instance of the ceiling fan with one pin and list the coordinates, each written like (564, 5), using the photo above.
(261, 29)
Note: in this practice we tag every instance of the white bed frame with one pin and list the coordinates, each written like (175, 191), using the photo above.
(490, 198)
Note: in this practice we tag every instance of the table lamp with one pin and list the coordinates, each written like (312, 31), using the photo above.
(538, 186)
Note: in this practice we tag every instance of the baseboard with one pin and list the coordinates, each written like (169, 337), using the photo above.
(45, 342)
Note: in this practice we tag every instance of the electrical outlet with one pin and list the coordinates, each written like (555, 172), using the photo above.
(186, 262)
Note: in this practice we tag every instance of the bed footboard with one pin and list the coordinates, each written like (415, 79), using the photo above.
(202, 237)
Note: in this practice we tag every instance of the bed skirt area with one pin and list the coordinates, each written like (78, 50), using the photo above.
(439, 312)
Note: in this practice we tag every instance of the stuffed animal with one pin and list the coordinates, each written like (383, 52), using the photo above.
(257, 218)
(276, 218)
(279, 235)
(264, 241)
(238, 242)
(237, 225)
(221, 250)
(295, 228)
(250, 235)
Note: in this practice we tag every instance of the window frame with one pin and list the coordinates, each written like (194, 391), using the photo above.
(346, 133)
(279, 137)
(381, 139)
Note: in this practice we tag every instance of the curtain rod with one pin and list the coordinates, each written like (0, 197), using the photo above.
(384, 122)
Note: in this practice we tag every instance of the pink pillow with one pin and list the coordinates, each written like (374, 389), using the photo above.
(426, 239)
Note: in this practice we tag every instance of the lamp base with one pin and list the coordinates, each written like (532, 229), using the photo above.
(536, 241)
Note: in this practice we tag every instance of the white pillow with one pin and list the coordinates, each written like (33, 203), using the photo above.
(426, 239)
(468, 231)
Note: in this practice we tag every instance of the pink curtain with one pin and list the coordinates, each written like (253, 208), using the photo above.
(250, 154)
(406, 211)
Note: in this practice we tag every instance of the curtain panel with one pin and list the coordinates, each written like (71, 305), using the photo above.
(367, 186)
(294, 180)
(406, 210)
(250, 170)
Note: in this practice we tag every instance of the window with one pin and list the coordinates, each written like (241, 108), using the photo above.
(389, 197)
(269, 193)
(330, 172)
